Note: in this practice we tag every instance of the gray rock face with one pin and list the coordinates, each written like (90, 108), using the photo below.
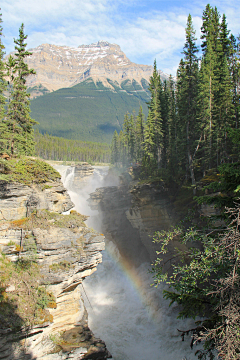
(81, 174)
(131, 214)
(100, 61)
(66, 255)
(18, 200)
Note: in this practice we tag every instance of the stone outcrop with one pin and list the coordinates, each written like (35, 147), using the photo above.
(131, 214)
(62, 66)
(18, 200)
(81, 174)
(66, 255)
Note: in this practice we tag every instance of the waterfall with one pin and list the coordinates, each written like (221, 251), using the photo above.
(68, 177)
(133, 318)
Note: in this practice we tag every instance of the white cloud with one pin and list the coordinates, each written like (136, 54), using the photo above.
(153, 32)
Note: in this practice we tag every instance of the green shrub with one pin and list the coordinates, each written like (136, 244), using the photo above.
(27, 171)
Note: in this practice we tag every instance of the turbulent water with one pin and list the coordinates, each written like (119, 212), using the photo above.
(132, 317)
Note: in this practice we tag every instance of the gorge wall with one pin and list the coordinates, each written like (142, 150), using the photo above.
(67, 251)
(131, 214)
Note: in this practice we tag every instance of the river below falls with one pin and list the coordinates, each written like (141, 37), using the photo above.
(124, 310)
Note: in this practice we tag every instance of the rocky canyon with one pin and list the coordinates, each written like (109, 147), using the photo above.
(66, 251)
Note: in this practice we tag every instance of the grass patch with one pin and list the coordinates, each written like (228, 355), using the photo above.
(27, 171)
(61, 266)
(44, 219)
(22, 301)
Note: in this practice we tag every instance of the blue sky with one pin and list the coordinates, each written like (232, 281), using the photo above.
(145, 29)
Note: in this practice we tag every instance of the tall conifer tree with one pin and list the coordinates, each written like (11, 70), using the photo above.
(234, 59)
(139, 134)
(19, 121)
(223, 104)
(132, 138)
(3, 126)
(188, 90)
(208, 85)
(115, 148)
(153, 145)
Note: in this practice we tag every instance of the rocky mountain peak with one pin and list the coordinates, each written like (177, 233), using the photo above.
(64, 66)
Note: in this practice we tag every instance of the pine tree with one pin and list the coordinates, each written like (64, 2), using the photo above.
(188, 90)
(224, 38)
(206, 104)
(18, 119)
(153, 134)
(122, 148)
(149, 148)
(132, 138)
(234, 59)
(165, 106)
(173, 127)
(3, 127)
(223, 102)
(126, 134)
(115, 148)
(180, 128)
(209, 85)
(139, 135)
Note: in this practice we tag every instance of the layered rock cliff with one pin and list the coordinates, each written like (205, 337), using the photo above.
(131, 214)
(81, 175)
(66, 251)
(18, 200)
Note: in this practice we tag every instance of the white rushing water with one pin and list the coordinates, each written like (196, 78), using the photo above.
(135, 322)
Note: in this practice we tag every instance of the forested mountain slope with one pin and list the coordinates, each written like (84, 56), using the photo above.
(89, 111)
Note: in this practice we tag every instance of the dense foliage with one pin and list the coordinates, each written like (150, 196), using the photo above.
(16, 124)
(27, 171)
(204, 280)
(55, 148)
(127, 147)
(193, 123)
(191, 137)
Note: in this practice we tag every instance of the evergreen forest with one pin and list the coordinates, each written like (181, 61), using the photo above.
(192, 124)
(88, 111)
(189, 144)
(57, 148)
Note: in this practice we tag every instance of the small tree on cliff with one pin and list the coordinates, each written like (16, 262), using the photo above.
(18, 119)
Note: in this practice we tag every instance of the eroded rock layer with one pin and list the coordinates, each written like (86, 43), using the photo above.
(130, 216)
(18, 200)
(66, 254)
